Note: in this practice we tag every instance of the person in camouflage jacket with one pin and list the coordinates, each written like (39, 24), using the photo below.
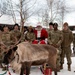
(6, 40)
(66, 45)
(19, 36)
(55, 39)
(30, 36)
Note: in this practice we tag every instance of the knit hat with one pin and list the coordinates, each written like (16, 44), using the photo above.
(39, 24)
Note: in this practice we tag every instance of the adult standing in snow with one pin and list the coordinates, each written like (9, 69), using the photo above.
(55, 39)
(66, 46)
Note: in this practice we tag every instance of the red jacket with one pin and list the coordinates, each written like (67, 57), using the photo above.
(43, 35)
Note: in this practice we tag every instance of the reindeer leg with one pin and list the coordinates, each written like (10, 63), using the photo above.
(21, 73)
(28, 66)
(55, 73)
(22, 70)
(27, 70)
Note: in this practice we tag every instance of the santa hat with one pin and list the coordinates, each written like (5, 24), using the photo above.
(39, 24)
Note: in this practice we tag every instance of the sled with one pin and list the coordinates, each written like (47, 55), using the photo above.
(47, 71)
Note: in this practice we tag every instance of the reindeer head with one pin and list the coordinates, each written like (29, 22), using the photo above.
(9, 56)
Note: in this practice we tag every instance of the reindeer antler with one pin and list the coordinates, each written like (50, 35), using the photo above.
(17, 42)
(5, 48)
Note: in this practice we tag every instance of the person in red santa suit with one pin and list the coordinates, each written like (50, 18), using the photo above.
(41, 38)
(41, 34)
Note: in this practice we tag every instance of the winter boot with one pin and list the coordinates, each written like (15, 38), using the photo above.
(61, 66)
(69, 67)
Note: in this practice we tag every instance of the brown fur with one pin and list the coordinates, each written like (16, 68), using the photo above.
(35, 54)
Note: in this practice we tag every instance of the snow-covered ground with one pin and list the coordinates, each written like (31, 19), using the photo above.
(36, 70)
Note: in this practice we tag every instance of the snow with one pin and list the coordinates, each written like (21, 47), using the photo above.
(36, 71)
(73, 32)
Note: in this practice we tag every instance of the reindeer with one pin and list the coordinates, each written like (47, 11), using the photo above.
(27, 54)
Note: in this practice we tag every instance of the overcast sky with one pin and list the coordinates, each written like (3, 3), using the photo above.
(70, 17)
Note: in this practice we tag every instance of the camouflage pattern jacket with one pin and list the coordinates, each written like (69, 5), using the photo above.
(67, 38)
(55, 38)
(30, 36)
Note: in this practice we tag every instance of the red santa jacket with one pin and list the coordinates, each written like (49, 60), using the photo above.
(43, 34)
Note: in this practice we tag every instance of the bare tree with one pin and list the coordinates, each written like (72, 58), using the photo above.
(46, 20)
(64, 9)
(22, 9)
(45, 17)
(53, 6)
(3, 8)
(58, 10)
